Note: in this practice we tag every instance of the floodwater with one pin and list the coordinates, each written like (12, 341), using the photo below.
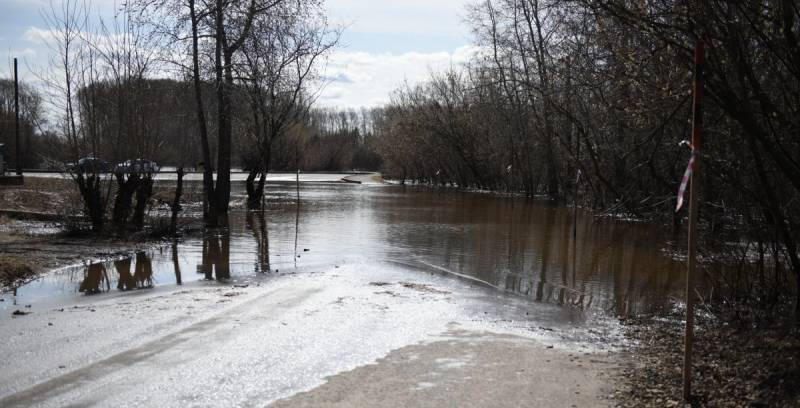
(536, 250)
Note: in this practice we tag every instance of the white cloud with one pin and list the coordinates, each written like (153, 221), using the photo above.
(439, 17)
(39, 36)
(372, 77)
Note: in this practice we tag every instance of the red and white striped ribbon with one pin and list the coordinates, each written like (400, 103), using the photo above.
(685, 182)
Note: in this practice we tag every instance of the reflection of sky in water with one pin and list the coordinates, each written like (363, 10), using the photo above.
(514, 244)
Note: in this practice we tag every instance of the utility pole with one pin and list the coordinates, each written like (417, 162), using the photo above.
(16, 119)
(694, 202)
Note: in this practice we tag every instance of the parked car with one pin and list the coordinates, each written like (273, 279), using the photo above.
(89, 165)
(137, 166)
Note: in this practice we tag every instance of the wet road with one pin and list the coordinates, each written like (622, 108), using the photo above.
(208, 345)
(274, 303)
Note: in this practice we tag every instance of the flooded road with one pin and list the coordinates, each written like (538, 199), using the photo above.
(527, 247)
(369, 294)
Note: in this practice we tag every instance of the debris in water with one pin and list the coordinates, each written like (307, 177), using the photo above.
(20, 313)
(306, 249)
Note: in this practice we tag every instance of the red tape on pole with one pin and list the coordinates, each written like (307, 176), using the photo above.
(687, 175)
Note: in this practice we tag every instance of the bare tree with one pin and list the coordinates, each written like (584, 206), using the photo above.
(280, 60)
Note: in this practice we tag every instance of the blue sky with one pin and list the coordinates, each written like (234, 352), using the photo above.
(385, 43)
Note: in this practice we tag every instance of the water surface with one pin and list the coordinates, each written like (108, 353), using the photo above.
(537, 250)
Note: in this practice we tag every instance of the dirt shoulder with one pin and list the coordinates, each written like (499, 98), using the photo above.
(469, 369)
(733, 366)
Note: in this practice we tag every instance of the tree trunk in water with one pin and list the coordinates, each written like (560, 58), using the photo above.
(223, 188)
(210, 205)
(176, 202)
(176, 265)
(224, 78)
(253, 195)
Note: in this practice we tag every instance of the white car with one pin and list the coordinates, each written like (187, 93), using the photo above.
(138, 166)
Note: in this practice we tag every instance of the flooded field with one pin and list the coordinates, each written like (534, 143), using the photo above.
(536, 250)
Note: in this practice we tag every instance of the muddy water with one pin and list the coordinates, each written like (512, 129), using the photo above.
(537, 250)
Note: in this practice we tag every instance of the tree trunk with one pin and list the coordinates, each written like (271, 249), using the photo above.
(210, 206)
(176, 202)
(89, 187)
(122, 202)
(224, 77)
(143, 194)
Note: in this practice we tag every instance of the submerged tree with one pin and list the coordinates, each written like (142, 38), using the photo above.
(279, 61)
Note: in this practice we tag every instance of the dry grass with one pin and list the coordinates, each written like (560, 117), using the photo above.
(47, 195)
(14, 270)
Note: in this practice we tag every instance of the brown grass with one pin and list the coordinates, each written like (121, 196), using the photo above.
(13, 270)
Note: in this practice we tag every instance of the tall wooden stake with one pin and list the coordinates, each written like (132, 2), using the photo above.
(694, 201)
(16, 119)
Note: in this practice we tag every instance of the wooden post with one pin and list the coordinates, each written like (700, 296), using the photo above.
(16, 119)
(694, 202)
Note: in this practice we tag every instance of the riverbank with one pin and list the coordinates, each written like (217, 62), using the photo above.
(734, 365)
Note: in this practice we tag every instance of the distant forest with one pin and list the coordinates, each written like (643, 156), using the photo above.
(162, 125)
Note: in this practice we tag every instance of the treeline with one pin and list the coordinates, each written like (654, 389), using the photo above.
(588, 101)
(156, 122)
(334, 140)
(33, 143)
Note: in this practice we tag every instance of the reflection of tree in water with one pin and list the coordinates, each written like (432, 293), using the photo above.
(126, 280)
(93, 278)
(175, 264)
(143, 274)
(257, 223)
(217, 251)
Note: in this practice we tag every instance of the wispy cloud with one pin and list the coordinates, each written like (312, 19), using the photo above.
(370, 78)
(39, 36)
